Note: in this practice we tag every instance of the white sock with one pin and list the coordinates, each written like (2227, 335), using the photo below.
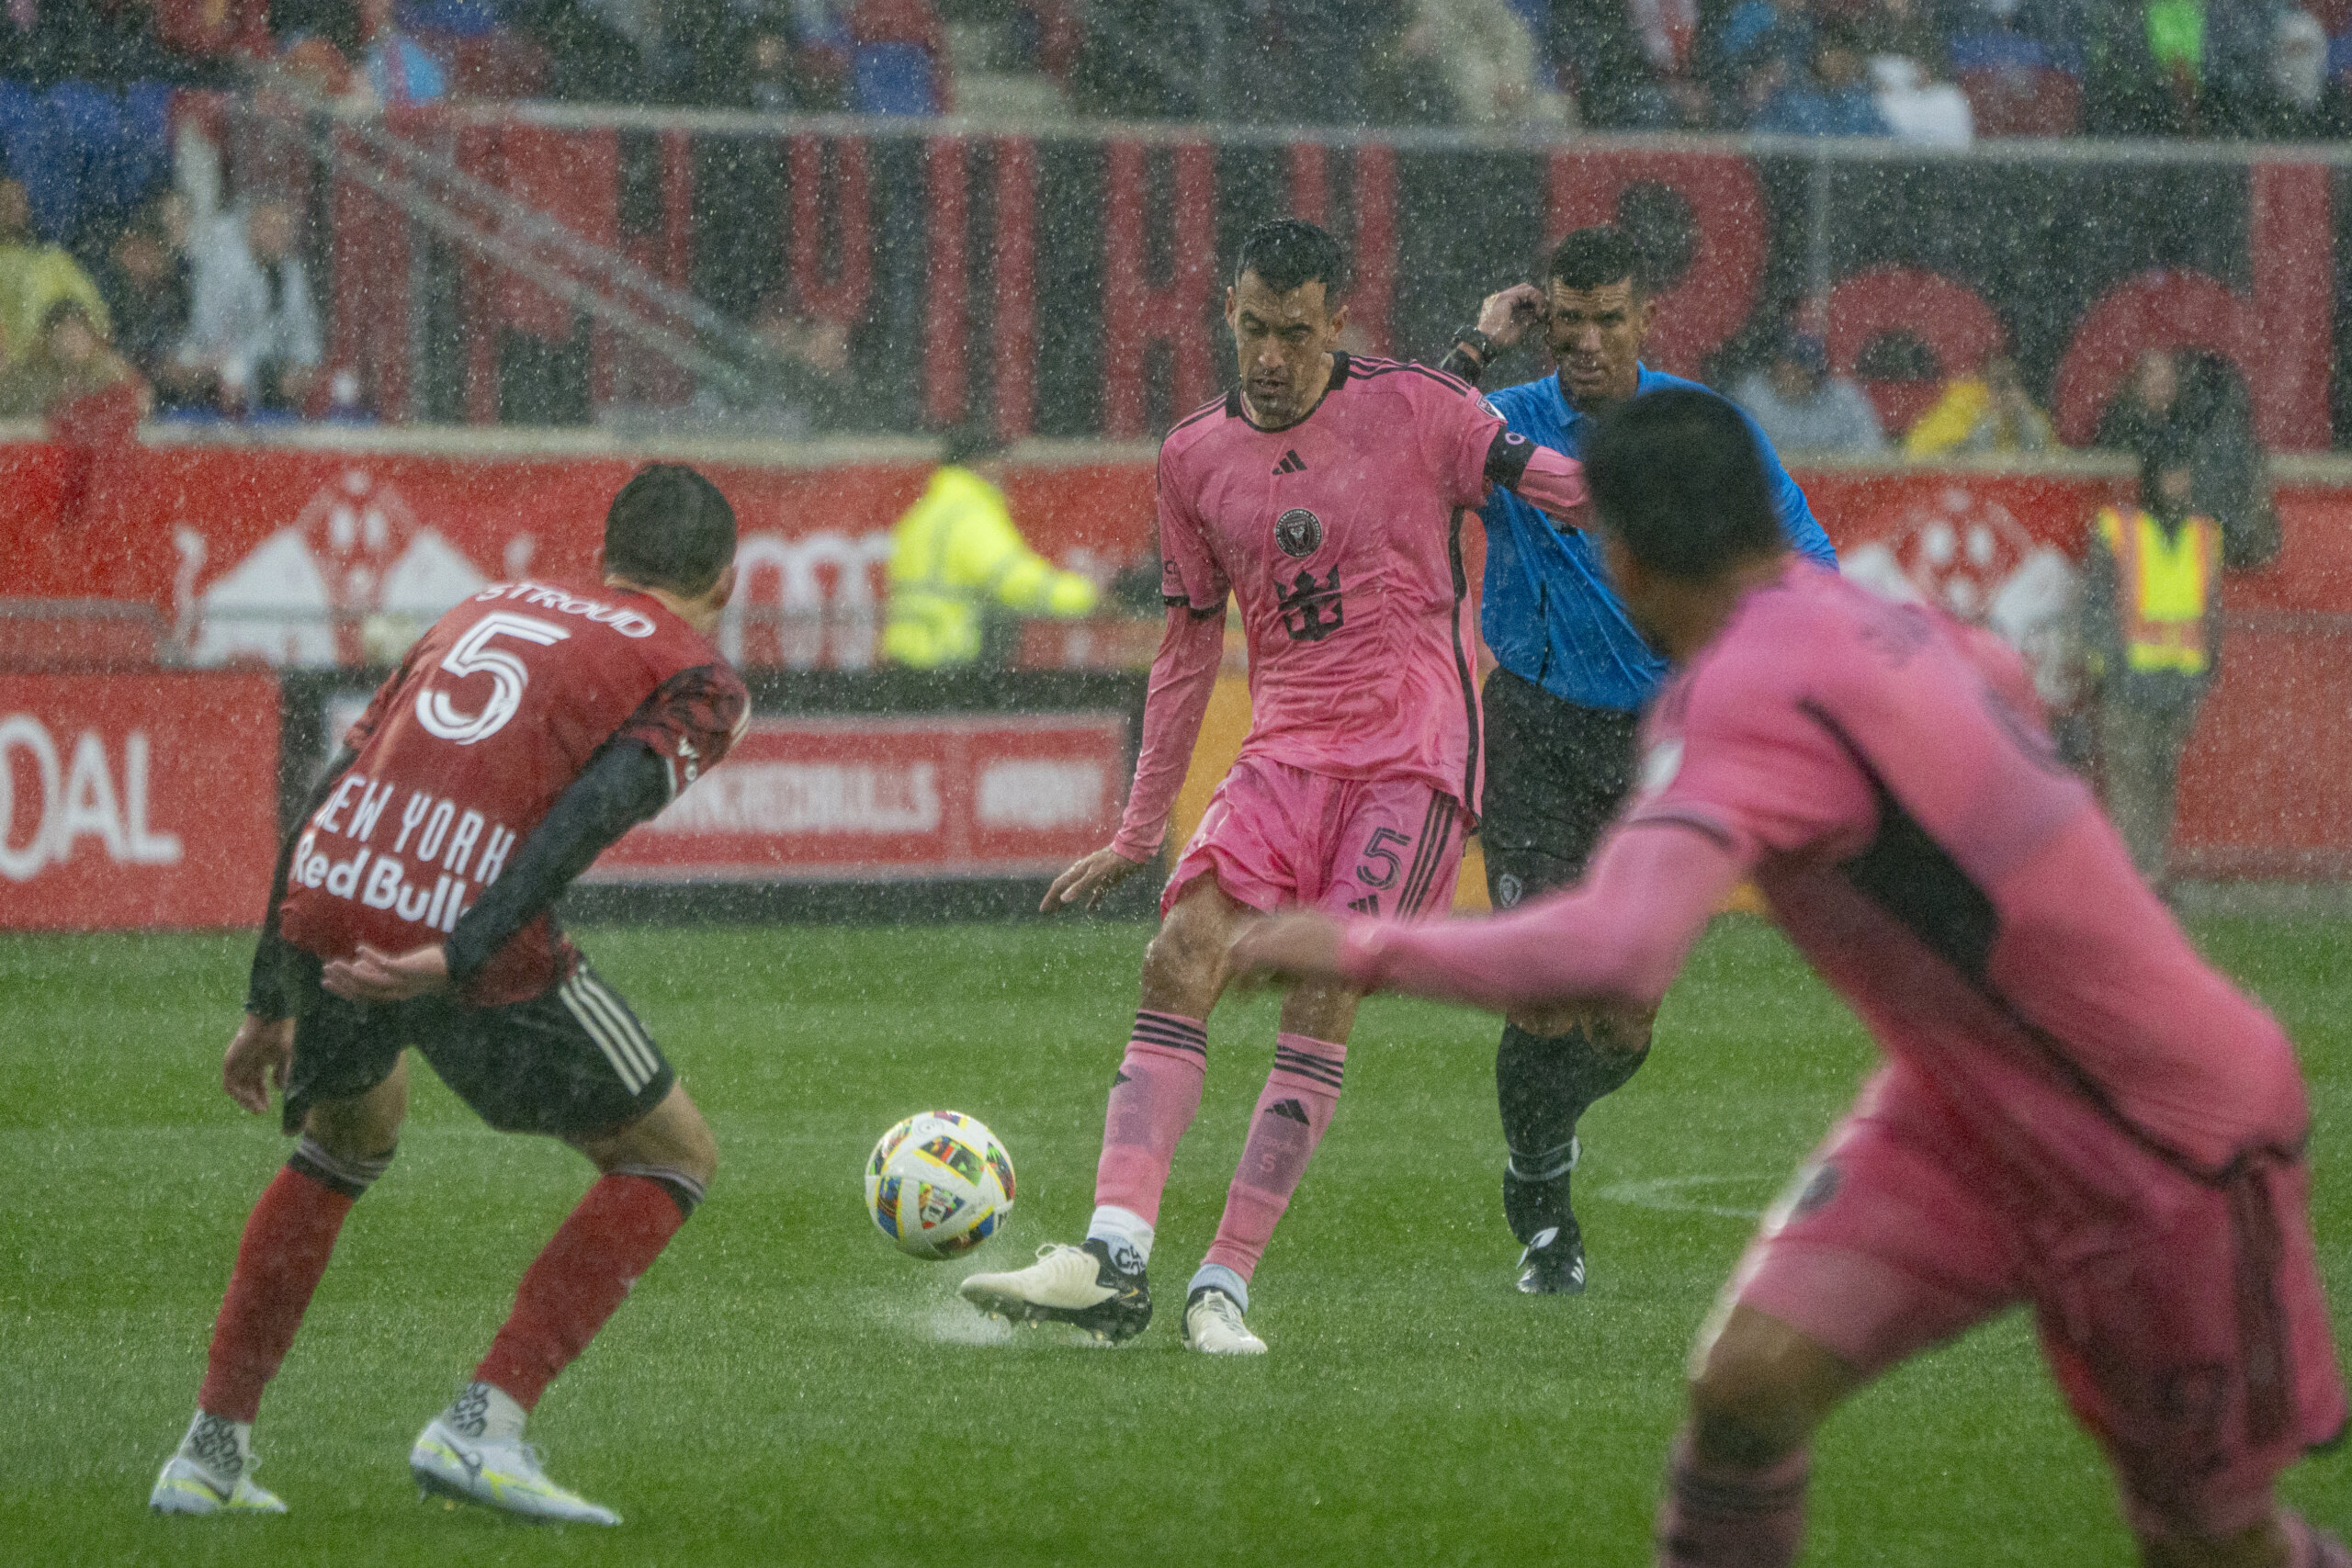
(485, 1413)
(1125, 1230)
(220, 1447)
(1217, 1277)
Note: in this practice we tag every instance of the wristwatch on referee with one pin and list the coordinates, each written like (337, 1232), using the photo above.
(1473, 351)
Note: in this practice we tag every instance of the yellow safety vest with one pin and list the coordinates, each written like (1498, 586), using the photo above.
(953, 554)
(2163, 588)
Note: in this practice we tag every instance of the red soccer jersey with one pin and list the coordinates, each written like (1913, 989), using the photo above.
(491, 715)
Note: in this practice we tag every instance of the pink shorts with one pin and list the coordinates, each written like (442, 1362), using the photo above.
(2190, 1336)
(1280, 837)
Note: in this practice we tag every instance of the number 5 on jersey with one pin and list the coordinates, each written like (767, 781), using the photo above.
(473, 655)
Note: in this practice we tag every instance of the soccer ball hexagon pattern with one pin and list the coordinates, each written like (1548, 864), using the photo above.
(939, 1183)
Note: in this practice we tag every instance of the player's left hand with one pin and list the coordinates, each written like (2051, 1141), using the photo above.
(1298, 946)
(376, 977)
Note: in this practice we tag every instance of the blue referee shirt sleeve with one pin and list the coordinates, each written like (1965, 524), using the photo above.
(1804, 531)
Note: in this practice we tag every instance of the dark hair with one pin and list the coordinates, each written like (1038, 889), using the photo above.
(1676, 475)
(1595, 258)
(670, 527)
(972, 443)
(1291, 253)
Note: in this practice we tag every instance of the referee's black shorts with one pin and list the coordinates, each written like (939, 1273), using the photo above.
(572, 1062)
(1556, 774)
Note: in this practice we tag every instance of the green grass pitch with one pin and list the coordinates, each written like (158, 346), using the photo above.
(783, 1387)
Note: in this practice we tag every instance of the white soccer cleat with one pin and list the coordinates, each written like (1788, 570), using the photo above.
(504, 1474)
(212, 1473)
(1078, 1285)
(1212, 1324)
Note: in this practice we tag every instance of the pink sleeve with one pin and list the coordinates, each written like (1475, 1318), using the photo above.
(1618, 936)
(1189, 574)
(1552, 482)
(1466, 428)
(1183, 675)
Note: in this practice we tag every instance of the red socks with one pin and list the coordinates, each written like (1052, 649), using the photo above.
(288, 1240)
(1728, 1515)
(1153, 1101)
(1294, 1110)
(578, 1280)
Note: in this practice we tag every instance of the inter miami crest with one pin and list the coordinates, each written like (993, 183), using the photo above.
(1299, 533)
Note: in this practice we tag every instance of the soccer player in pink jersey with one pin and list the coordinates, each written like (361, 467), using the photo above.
(2077, 1112)
(1329, 494)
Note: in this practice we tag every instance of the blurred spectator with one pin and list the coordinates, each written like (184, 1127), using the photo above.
(2176, 67)
(1145, 60)
(34, 276)
(1910, 68)
(1988, 412)
(1831, 97)
(590, 60)
(2198, 403)
(252, 322)
(2144, 406)
(774, 56)
(2151, 611)
(70, 361)
(1308, 61)
(106, 43)
(1486, 55)
(395, 69)
(960, 574)
(2297, 100)
(148, 290)
(1803, 408)
(1633, 63)
(806, 387)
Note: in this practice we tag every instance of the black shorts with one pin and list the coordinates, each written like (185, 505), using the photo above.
(1556, 774)
(570, 1063)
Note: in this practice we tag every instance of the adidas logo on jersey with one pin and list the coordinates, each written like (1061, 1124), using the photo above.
(1291, 463)
(1367, 904)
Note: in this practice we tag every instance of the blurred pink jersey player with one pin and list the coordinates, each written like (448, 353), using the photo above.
(1329, 495)
(2077, 1112)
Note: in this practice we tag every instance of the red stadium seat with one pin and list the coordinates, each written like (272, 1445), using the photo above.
(2023, 101)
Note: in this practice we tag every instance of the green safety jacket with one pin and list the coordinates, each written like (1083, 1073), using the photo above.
(954, 555)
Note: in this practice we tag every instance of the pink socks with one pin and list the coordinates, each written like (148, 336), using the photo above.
(1153, 1101)
(1725, 1516)
(1293, 1111)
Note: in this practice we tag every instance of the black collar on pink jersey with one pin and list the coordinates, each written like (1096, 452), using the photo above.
(1233, 409)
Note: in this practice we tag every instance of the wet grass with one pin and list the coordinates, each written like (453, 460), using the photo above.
(784, 1388)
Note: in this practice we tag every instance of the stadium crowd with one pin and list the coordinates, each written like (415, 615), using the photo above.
(1928, 69)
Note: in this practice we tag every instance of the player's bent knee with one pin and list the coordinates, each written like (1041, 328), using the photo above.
(1761, 1390)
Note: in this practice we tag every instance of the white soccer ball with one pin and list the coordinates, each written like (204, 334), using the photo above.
(939, 1183)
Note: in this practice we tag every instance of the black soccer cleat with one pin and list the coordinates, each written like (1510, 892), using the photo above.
(1078, 1285)
(1553, 1264)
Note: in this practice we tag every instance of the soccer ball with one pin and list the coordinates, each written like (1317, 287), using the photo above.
(939, 1184)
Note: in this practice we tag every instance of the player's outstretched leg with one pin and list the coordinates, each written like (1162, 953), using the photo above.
(1293, 1112)
(1735, 1482)
(1101, 1287)
(654, 1174)
(1545, 1082)
(288, 1238)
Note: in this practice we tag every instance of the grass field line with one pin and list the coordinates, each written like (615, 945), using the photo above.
(1683, 1194)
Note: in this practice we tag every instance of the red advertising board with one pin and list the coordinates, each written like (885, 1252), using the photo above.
(871, 798)
(136, 800)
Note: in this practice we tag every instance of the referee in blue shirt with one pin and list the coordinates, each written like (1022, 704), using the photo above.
(1562, 705)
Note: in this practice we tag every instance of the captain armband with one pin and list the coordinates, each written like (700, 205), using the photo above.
(1507, 457)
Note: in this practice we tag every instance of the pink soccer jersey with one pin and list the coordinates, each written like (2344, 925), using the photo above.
(1341, 536)
(1922, 844)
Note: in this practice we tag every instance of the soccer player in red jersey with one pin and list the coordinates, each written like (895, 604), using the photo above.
(533, 725)
(2077, 1112)
(1329, 494)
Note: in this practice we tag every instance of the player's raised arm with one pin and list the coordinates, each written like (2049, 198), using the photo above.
(1617, 937)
